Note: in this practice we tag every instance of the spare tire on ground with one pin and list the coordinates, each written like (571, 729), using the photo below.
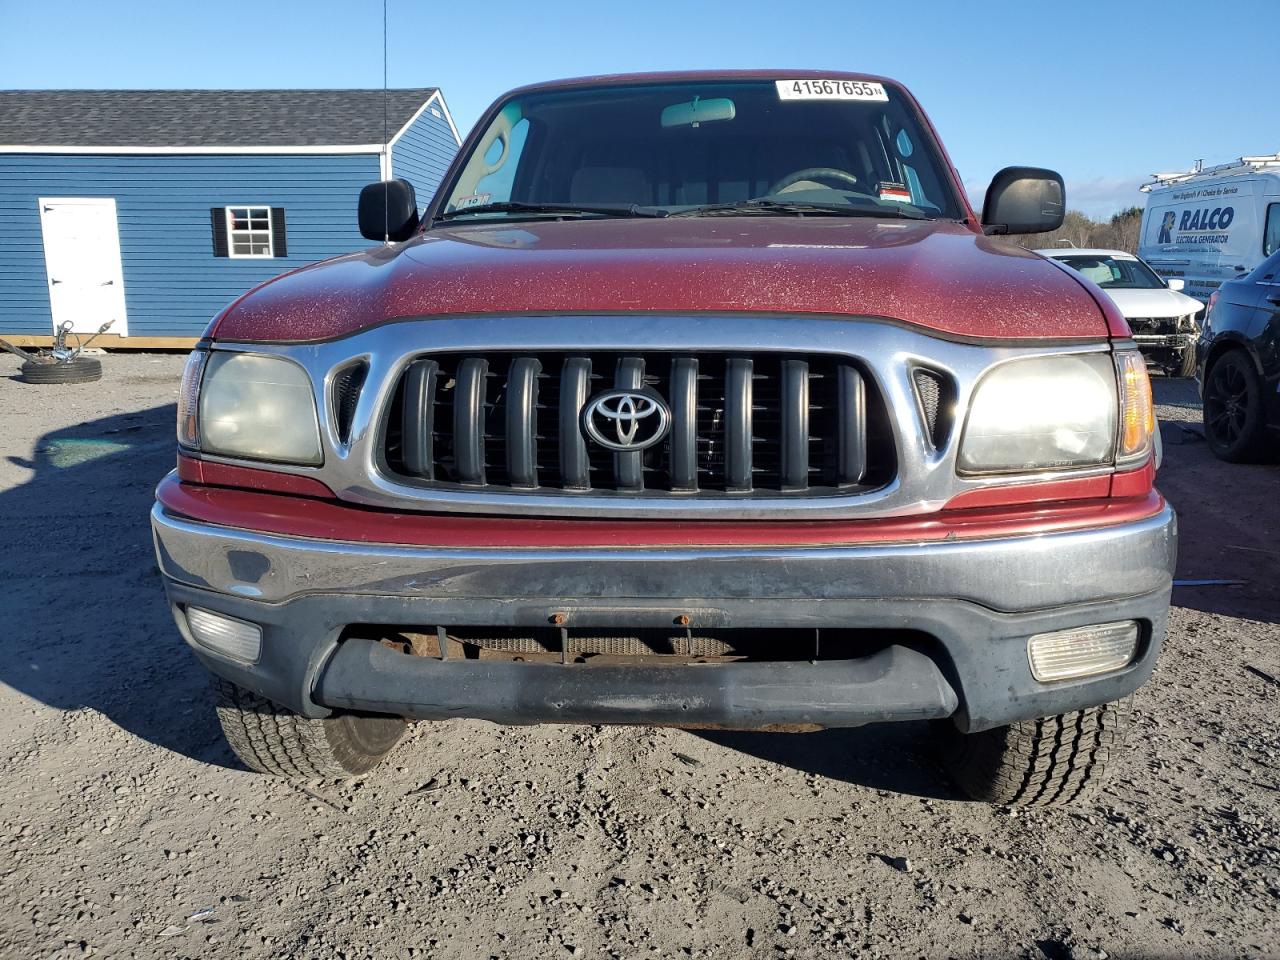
(79, 370)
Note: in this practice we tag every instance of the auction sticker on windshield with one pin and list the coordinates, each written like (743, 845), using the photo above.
(831, 90)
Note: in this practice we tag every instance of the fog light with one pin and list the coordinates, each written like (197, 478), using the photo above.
(233, 638)
(1082, 651)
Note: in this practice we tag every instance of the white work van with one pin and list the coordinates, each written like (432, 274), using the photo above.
(1213, 223)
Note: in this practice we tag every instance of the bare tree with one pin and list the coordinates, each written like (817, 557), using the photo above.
(1124, 230)
(1078, 230)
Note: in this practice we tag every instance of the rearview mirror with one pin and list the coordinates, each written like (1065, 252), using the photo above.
(698, 111)
(388, 211)
(1176, 284)
(1024, 200)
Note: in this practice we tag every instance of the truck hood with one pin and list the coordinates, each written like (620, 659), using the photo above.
(1156, 304)
(940, 276)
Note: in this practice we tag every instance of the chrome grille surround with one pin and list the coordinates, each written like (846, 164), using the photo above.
(708, 424)
(889, 352)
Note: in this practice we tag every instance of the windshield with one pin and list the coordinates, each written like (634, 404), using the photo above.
(1114, 273)
(837, 146)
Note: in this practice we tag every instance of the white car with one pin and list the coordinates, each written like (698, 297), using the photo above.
(1164, 320)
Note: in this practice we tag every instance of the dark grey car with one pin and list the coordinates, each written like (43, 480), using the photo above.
(1238, 365)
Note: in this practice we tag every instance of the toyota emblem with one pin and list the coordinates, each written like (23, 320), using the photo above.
(626, 420)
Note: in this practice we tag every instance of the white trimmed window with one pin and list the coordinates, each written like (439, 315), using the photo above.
(249, 232)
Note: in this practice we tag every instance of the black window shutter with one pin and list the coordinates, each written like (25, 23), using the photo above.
(279, 245)
(218, 217)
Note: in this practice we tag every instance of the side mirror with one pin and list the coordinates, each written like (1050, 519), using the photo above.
(388, 211)
(1176, 284)
(1024, 200)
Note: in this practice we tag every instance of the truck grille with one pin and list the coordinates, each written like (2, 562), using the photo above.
(664, 424)
(636, 644)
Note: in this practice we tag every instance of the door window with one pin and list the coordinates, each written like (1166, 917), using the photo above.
(1271, 235)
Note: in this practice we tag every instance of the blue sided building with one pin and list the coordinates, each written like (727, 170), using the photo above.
(153, 209)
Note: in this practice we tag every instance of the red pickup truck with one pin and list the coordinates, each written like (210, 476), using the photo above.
(701, 400)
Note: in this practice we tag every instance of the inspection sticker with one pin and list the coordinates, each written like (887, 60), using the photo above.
(831, 90)
(475, 200)
(894, 191)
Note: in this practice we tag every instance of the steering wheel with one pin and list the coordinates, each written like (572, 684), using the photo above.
(813, 173)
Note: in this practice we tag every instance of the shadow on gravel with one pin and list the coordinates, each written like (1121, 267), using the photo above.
(86, 624)
(898, 757)
(1228, 519)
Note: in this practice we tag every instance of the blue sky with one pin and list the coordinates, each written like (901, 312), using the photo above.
(1106, 93)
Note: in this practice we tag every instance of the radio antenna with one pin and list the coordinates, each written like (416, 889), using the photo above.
(385, 172)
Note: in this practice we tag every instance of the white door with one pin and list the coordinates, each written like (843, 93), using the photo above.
(82, 261)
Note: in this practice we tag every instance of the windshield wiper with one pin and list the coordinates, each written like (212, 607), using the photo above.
(556, 209)
(763, 205)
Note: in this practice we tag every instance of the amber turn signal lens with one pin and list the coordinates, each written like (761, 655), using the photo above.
(1137, 414)
(188, 399)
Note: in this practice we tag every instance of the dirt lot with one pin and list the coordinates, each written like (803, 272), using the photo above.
(122, 813)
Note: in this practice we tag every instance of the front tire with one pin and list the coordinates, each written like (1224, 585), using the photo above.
(1187, 365)
(1048, 762)
(272, 739)
(1233, 415)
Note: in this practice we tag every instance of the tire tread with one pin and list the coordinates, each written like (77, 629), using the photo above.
(79, 370)
(1051, 761)
(272, 739)
(1187, 362)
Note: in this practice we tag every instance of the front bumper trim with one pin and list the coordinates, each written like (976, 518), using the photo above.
(896, 683)
(969, 606)
(1171, 341)
(1012, 574)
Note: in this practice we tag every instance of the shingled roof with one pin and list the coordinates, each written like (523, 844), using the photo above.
(203, 118)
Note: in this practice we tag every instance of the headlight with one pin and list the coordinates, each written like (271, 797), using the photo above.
(257, 407)
(1042, 413)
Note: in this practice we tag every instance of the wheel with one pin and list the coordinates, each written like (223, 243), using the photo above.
(1233, 415)
(272, 739)
(813, 173)
(1187, 364)
(79, 370)
(1053, 761)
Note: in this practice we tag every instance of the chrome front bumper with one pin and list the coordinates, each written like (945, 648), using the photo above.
(1014, 575)
(974, 602)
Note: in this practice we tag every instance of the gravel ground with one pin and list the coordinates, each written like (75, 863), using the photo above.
(124, 818)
